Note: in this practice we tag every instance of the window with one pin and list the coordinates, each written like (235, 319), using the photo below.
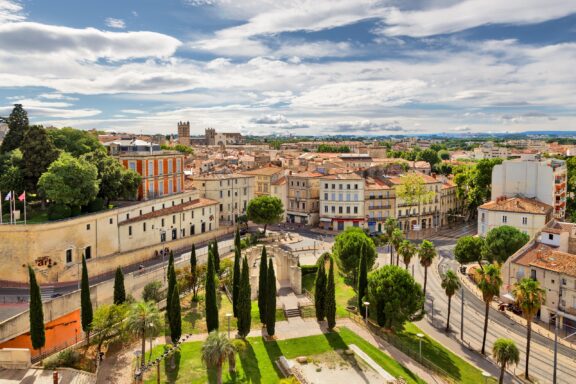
(161, 189)
(504, 219)
(127, 216)
(68, 256)
(221, 207)
(339, 209)
(162, 222)
(355, 209)
(221, 194)
(333, 186)
(170, 188)
(203, 227)
(348, 186)
(173, 219)
(347, 209)
(87, 227)
(160, 167)
(563, 281)
(150, 168)
(132, 165)
(550, 236)
(88, 253)
(333, 209)
(170, 166)
(192, 229)
(178, 184)
(129, 230)
(325, 196)
(162, 237)
(143, 227)
(183, 233)
(325, 186)
(524, 220)
(325, 209)
(340, 197)
(355, 186)
(178, 165)
(174, 234)
(533, 274)
(111, 221)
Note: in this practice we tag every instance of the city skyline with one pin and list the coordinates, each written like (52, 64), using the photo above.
(300, 67)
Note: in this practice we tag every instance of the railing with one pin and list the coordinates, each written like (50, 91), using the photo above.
(380, 207)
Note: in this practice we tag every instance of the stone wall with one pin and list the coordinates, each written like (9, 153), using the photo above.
(15, 358)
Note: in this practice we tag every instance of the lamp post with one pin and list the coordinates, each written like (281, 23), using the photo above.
(462, 314)
(420, 336)
(366, 305)
(486, 376)
(138, 372)
(432, 301)
(228, 316)
(555, 348)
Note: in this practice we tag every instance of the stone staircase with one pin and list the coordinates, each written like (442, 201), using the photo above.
(292, 312)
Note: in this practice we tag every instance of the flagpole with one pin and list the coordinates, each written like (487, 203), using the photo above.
(1, 201)
(14, 206)
(24, 207)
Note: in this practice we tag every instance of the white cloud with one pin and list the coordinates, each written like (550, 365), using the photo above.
(10, 11)
(269, 119)
(134, 111)
(115, 23)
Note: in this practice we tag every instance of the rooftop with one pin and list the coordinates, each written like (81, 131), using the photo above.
(197, 203)
(518, 205)
(548, 258)
(264, 171)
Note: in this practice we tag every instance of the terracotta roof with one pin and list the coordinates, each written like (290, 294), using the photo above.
(306, 174)
(427, 179)
(548, 258)
(198, 203)
(372, 183)
(343, 176)
(280, 181)
(221, 176)
(519, 205)
(264, 171)
(559, 227)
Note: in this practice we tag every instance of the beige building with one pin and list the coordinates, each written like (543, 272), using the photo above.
(222, 138)
(379, 203)
(303, 198)
(527, 215)
(233, 192)
(184, 133)
(279, 189)
(449, 202)
(264, 178)
(341, 201)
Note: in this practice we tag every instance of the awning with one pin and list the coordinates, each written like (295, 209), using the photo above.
(326, 219)
(508, 298)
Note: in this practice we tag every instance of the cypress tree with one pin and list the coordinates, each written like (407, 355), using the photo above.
(194, 272)
(119, 290)
(362, 281)
(175, 317)
(262, 276)
(17, 124)
(236, 281)
(271, 300)
(320, 290)
(237, 239)
(211, 304)
(36, 313)
(331, 297)
(244, 303)
(85, 301)
(216, 255)
(171, 277)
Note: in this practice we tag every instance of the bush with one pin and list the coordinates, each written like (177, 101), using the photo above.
(95, 205)
(153, 292)
(75, 211)
(59, 212)
(68, 358)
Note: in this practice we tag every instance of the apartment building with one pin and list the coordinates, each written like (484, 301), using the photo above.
(279, 189)
(490, 151)
(379, 203)
(233, 193)
(341, 201)
(303, 198)
(449, 202)
(531, 177)
(264, 178)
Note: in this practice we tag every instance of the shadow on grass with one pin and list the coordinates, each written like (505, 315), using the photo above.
(192, 318)
(274, 352)
(250, 365)
(172, 367)
(335, 341)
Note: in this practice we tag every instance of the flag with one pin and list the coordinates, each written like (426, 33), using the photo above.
(22, 197)
(8, 196)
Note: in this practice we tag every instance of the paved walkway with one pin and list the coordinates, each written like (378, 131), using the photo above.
(41, 376)
(376, 367)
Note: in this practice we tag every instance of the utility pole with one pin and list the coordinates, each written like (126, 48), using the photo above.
(555, 348)
(462, 314)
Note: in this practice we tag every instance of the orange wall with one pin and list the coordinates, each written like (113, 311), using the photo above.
(57, 332)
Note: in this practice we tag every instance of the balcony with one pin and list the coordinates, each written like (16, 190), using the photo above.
(380, 207)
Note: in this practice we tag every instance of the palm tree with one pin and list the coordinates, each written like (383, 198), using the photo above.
(143, 319)
(396, 239)
(505, 352)
(216, 349)
(451, 284)
(389, 226)
(489, 283)
(407, 250)
(529, 297)
(426, 253)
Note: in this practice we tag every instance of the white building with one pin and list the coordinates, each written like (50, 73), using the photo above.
(341, 201)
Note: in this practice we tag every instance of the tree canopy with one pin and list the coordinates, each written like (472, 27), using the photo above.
(474, 183)
(502, 242)
(347, 247)
(412, 189)
(74, 141)
(265, 210)
(469, 249)
(38, 152)
(17, 124)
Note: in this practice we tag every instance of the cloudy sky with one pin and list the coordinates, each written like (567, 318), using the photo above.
(292, 66)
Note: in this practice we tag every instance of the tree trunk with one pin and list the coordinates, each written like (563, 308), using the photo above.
(406, 265)
(232, 363)
(219, 373)
(501, 380)
(448, 316)
(528, 337)
(485, 326)
(265, 225)
(425, 281)
(391, 254)
(397, 259)
(143, 359)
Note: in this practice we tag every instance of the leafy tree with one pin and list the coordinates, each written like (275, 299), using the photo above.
(407, 250)
(70, 181)
(430, 156)
(469, 249)
(11, 178)
(74, 141)
(333, 148)
(211, 304)
(444, 154)
(320, 290)
(175, 319)
(489, 283)
(395, 240)
(347, 247)
(107, 323)
(330, 304)
(389, 226)
(450, 284)
(119, 291)
(143, 320)
(237, 238)
(85, 302)
(262, 276)
(265, 210)
(395, 296)
(37, 334)
(171, 277)
(216, 256)
(244, 303)
(194, 273)
(215, 351)
(473, 184)
(17, 125)
(152, 292)
(413, 191)
(443, 169)
(362, 281)
(530, 298)
(271, 300)
(38, 152)
(426, 253)
(502, 242)
(505, 353)
(236, 281)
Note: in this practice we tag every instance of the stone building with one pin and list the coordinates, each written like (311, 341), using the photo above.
(184, 133)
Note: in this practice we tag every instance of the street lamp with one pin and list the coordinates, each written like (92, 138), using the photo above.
(420, 336)
(137, 354)
(432, 301)
(555, 348)
(366, 305)
(228, 316)
(462, 314)
(486, 376)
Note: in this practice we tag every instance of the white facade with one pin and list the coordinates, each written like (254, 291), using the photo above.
(341, 201)
(525, 222)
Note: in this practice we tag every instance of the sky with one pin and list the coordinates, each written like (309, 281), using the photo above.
(300, 67)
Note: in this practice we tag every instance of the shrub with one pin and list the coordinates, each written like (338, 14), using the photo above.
(95, 205)
(67, 358)
(153, 292)
(59, 212)
(75, 211)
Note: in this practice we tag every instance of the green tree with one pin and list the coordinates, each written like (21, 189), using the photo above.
(37, 334)
(395, 240)
(244, 303)
(413, 190)
(407, 250)
(262, 276)
(426, 253)
(389, 226)
(469, 249)
(489, 283)
(430, 156)
(394, 296)
(450, 284)
(237, 238)
(74, 141)
(331, 297)
(216, 256)
(444, 154)
(175, 318)
(215, 351)
(194, 273)
(346, 250)
(171, 277)
(107, 324)
(38, 152)
(152, 292)
(143, 320)
(11, 178)
(320, 289)
(271, 300)
(505, 353)
(70, 181)
(211, 303)
(236, 281)
(85, 302)
(265, 210)
(473, 184)
(17, 125)
(529, 298)
(362, 280)
(502, 242)
(119, 291)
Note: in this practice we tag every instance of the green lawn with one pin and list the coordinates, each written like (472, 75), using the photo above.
(256, 363)
(345, 294)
